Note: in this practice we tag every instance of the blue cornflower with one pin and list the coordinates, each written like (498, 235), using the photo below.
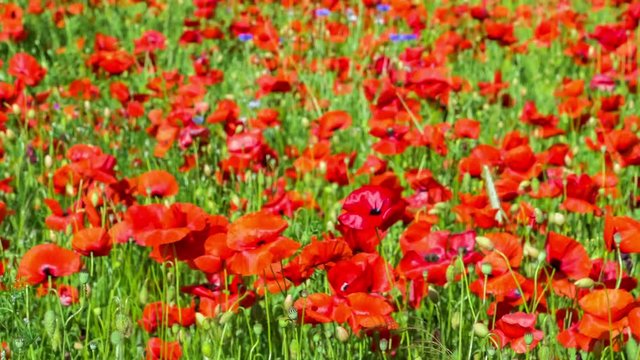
(322, 12)
(245, 37)
(383, 7)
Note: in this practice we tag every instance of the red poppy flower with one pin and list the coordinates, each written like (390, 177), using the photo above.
(157, 349)
(257, 240)
(44, 260)
(321, 308)
(67, 294)
(26, 69)
(570, 337)
(610, 37)
(321, 254)
(158, 183)
(330, 122)
(362, 273)
(369, 311)
(159, 314)
(371, 207)
(623, 229)
(567, 256)
(605, 313)
(94, 241)
(512, 329)
(634, 322)
(467, 128)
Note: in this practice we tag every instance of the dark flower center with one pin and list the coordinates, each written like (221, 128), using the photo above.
(374, 212)
(555, 263)
(431, 258)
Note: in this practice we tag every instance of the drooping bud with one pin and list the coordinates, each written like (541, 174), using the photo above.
(585, 283)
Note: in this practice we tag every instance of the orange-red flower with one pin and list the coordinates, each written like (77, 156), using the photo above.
(47, 260)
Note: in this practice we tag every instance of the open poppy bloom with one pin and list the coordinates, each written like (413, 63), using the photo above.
(157, 349)
(518, 331)
(94, 241)
(159, 314)
(371, 207)
(362, 273)
(47, 260)
(568, 260)
(158, 183)
(256, 238)
(605, 313)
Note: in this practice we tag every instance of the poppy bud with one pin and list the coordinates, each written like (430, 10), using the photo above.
(49, 321)
(455, 320)
(207, 349)
(116, 338)
(97, 311)
(123, 324)
(617, 168)
(15, 109)
(257, 329)
(584, 283)
(557, 218)
(207, 170)
(200, 319)
(69, 189)
(9, 134)
(486, 268)
(342, 334)
(530, 251)
(31, 114)
(282, 322)
(48, 161)
(539, 215)
(524, 185)
(143, 296)
(94, 199)
(87, 105)
(288, 302)
(78, 346)
(514, 208)
(226, 317)
(56, 339)
(567, 160)
(480, 329)
(440, 205)
(484, 243)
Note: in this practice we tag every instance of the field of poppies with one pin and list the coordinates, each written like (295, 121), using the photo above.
(300, 179)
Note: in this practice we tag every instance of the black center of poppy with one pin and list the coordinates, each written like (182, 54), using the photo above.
(431, 258)
(374, 212)
(390, 132)
(555, 263)
(47, 271)
(344, 287)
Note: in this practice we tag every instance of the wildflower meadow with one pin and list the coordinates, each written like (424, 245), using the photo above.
(319, 179)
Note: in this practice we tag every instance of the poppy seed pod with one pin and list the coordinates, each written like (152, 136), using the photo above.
(480, 330)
